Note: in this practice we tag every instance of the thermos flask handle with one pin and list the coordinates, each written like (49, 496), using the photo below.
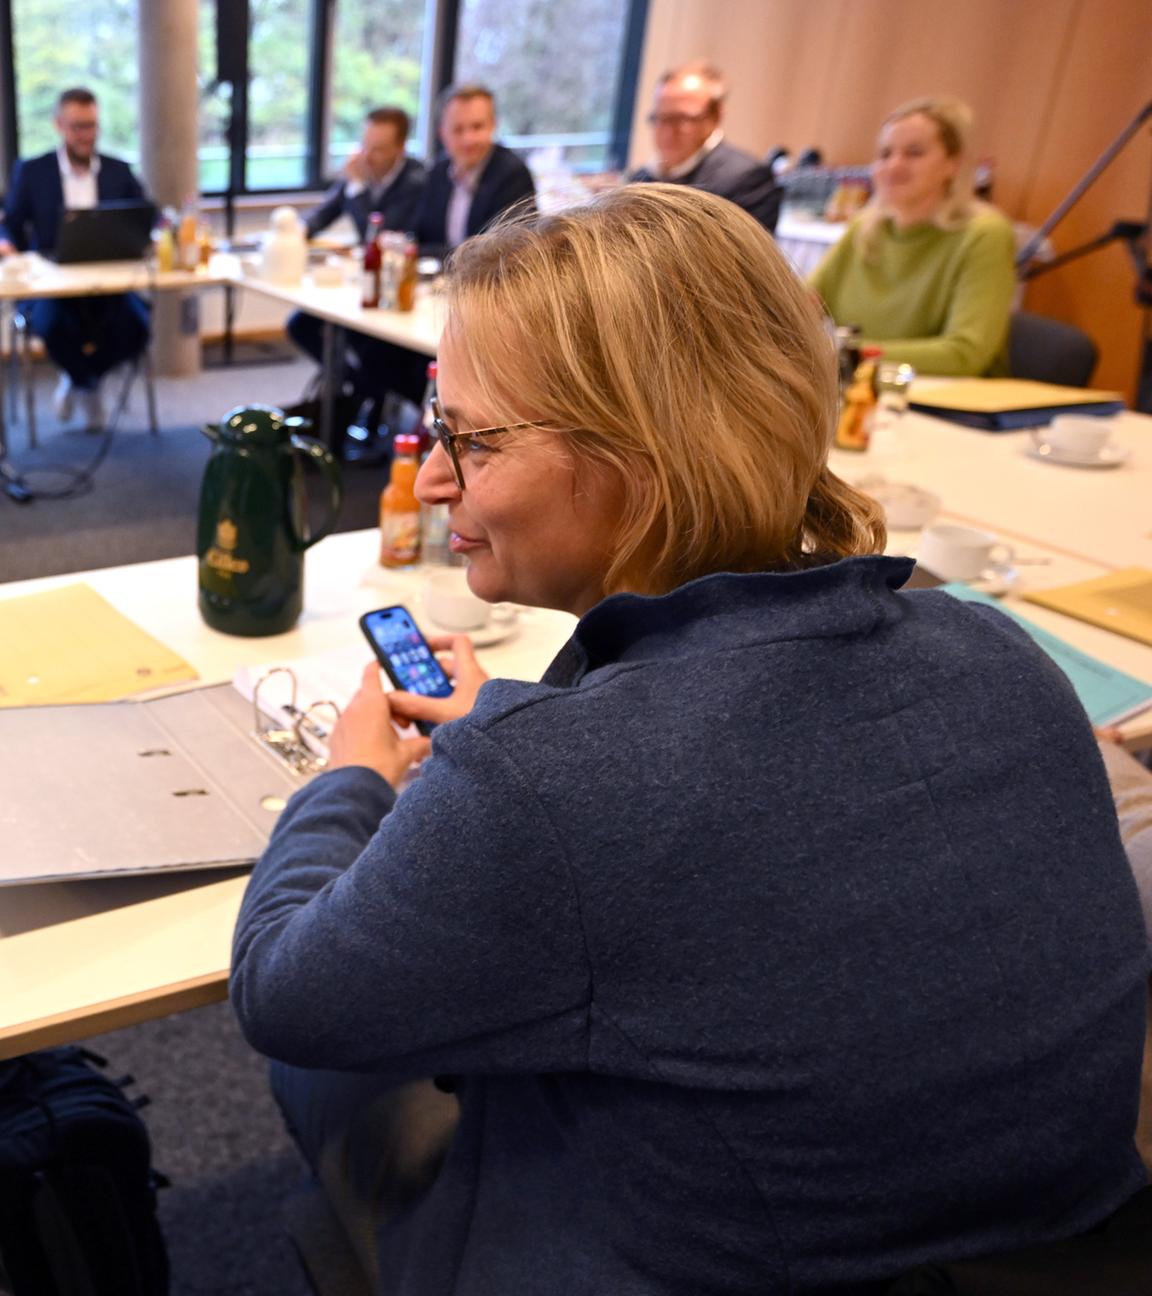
(331, 470)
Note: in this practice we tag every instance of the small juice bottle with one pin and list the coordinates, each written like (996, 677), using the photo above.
(399, 507)
(854, 428)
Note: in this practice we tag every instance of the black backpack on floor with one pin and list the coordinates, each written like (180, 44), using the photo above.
(77, 1189)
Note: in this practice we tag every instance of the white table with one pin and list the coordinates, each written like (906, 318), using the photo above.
(1101, 516)
(77, 958)
(339, 308)
(418, 330)
(90, 279)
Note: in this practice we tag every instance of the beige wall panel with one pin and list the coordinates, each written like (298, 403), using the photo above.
(1051, 82)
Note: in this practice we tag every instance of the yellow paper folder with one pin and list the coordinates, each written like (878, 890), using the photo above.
(70, 645)
(1120, 601)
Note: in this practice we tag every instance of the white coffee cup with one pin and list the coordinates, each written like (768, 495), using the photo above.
(961, 553)
(450, 604)
(1082, 435)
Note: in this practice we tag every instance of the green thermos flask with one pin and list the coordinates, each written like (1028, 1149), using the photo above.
(253, 525)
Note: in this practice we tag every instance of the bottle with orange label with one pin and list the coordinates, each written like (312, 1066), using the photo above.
(406, 287)
(854, 428)
(399, 507)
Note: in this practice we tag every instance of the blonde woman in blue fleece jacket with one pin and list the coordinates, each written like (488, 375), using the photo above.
(781, 937)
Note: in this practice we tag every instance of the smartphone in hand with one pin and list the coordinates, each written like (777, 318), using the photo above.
(405, 655)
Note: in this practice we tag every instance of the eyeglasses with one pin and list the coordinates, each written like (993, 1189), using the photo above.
(676, 120)
(442, 433)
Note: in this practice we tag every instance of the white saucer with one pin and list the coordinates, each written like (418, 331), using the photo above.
(1109, 456)
(493, 633)
(994, 581)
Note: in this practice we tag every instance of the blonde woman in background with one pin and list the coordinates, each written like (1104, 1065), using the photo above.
(781, 937)
(926, 270)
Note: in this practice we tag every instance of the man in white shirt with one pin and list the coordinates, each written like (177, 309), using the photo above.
(85, 336)
(689, 145)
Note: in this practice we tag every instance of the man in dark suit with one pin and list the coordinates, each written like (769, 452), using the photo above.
(690, 149)
(466, 190)
(85, 336)
(476, 179)
(382, 178)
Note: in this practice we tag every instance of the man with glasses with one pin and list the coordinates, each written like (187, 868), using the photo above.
(85, 336)
(689, 145)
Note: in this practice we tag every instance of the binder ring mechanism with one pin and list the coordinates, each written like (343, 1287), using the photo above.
(303, 746)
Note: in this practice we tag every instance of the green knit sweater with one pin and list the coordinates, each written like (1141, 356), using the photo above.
(936, 299)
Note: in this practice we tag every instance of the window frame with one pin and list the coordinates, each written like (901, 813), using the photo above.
(442, 20)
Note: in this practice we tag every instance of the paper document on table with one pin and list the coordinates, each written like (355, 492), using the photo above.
(71, 645)
(1108, 695)
(1120, 601)
(1001, 404)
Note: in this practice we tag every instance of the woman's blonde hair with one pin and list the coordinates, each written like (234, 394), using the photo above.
(663, 328)
(953, 121)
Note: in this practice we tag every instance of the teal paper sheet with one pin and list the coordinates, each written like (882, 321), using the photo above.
(1108, 695)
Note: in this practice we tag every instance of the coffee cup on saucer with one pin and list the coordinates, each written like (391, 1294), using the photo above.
(451, 605)
(962, 553)
(1078, 436)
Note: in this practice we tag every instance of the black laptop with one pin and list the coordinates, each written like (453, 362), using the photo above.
(113, 231)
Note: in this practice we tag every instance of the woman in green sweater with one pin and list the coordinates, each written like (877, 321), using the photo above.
(926, 271)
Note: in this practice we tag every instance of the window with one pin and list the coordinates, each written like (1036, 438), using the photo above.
(59, 43)
(563, 72)
(278, 94)
(376, 60)
(554, 66)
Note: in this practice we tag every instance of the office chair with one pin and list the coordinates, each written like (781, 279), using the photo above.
(1048, 350)
(21, 380)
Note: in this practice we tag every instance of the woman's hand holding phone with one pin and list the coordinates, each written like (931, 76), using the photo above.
(365, 734)
(458, 658)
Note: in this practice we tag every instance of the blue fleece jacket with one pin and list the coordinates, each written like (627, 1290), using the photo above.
(781, 939)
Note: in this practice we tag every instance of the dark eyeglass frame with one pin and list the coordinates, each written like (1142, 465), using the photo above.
(443, 434)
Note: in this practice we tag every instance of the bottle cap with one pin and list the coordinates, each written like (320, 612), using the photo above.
(431, 369)
(871, 352)
(406, 444)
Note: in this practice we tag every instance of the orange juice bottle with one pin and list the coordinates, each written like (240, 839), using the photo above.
(854, 428)
(187, 244)
(399, 507)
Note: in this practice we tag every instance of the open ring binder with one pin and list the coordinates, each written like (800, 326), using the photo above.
(173, 782)
(296, 746)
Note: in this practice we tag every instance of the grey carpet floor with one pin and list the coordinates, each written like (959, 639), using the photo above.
(216, 1130)
(143, 497)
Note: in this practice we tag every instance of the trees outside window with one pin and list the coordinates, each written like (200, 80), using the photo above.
(376, 60)
(58, 44)
(555, 66)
